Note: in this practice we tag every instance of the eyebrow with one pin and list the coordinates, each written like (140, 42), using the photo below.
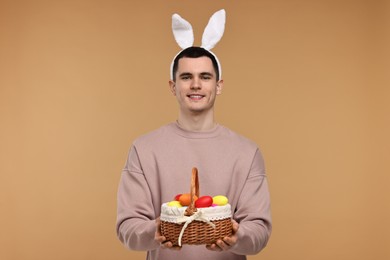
(185, 74)
(207, 74)
(190, 74)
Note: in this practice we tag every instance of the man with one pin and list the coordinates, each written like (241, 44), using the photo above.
(159, 163)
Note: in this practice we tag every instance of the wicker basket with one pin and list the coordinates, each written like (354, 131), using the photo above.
(196, 232)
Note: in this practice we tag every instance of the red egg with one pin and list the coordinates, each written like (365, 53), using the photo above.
(177, 197)
(204, 202)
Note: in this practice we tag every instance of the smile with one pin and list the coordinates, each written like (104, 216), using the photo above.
(195, 97)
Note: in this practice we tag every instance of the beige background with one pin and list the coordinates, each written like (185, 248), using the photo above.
(307, 80)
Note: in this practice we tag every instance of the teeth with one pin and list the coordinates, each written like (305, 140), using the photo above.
(195, 96)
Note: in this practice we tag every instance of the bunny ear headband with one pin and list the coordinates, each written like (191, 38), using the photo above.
(184, 35)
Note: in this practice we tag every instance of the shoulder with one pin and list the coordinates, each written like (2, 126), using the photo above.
(154, 136)
(238, 139)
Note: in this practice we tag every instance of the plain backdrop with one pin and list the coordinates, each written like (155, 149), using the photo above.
(308, 81)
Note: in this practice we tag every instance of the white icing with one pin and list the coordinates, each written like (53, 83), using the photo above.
(175, 214)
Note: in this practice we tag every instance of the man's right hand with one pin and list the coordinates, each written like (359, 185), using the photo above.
(159, 238)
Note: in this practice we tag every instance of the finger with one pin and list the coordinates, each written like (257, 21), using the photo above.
(213, 247)
(227, 241)
(166, 244)
(158, 227)
(230, 241)
(176, 248)
(160, 239)
(221, 244)
(235, 226)
(158, 233)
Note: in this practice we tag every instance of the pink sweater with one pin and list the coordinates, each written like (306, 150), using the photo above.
(159, 166)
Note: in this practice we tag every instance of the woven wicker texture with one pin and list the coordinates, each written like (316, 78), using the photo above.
(197, 232)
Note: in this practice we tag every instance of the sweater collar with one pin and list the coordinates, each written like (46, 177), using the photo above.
(196, 134)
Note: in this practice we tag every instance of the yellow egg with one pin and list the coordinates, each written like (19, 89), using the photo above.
(174, 203)
(220, 200)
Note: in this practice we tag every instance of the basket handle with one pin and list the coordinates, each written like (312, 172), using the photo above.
(194, 190)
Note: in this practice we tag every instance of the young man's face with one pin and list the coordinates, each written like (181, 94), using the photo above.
(196, 85)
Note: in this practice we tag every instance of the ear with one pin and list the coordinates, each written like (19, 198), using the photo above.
(182, 30)
(214, 30)
(172, 86)
(219, 87)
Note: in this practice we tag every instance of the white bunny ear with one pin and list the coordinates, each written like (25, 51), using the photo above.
(214, 30)
(182, 30)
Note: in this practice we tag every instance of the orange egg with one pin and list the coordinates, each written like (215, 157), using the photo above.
(185, 199)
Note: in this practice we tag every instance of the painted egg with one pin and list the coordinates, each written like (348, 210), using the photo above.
(185, 199)
(204, 202)
(177, 197)
(174, 203)
(220, 200)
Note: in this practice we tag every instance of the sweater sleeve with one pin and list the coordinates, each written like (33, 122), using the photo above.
(135, 224)
(253, 211)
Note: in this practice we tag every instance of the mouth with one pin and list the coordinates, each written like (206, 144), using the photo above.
(195, 97)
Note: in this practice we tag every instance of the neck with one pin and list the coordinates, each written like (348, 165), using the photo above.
(197, 122)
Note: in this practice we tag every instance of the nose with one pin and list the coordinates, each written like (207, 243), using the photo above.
(195, 84)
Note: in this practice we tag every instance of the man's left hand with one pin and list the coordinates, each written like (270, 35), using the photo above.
(227, 242)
